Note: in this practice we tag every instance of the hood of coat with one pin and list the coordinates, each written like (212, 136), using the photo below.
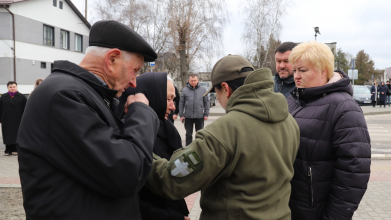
(85, 75)
(288, 80)
(191, 87)
(154, 86)
(310, 94)
(257, 98)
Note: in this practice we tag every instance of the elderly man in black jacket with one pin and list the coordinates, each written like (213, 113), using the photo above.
(77, 160)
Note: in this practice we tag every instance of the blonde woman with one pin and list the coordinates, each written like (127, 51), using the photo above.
(332, 167)
(374, 93)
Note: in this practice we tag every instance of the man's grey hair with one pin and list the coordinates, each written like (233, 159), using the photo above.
(102, 51)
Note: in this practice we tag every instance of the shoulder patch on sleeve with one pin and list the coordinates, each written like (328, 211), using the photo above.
(185, 164)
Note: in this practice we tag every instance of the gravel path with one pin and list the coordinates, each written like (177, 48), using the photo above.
(11, 203)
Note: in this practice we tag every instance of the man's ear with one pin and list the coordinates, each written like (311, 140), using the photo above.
(227, 89)
(111, 58)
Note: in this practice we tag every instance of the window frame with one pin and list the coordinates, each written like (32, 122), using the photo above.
(43, 65)
(81, 43)
(45, 39)
(60, 5)
(62, 40)
(54, 3)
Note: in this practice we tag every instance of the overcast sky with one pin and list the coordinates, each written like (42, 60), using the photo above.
(354, 24)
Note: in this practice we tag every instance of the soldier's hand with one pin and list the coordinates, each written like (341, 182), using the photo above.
(139, 97)
(205, 118)
(187, 218)
(174, 117)
(182, 119)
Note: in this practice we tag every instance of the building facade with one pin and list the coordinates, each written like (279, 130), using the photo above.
(33, 34)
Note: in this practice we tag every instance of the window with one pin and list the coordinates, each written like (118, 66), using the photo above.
(78, 42)
(55, 3)
(43, 65)
(48, 35)
(60, 4)
(64, 39)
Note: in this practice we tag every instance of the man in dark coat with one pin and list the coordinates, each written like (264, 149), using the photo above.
(193, 107)
(77, 160)
(160, 92)
(12, 106)
(283, 80)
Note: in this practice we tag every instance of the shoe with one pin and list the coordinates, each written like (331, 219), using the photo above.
(14, 153)
(6, 154)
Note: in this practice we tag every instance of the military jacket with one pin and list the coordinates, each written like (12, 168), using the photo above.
(242, 162)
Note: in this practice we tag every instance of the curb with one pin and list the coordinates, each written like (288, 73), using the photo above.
(380, 157)
(377, 113)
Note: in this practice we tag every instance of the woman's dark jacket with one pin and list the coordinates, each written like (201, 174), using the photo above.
(154, 87)
(332, 165)
(76, 160)
(383, 89)
(374, 93)
(11, 112)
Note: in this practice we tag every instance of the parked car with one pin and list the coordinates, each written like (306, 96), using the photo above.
(361, 94)
(211, 95)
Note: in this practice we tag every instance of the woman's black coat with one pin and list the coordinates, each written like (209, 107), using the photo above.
(383, 89)
(332, 165)
(154, 87)
(11, 112)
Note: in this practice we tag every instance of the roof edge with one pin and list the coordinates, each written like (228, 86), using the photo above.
(69, 2)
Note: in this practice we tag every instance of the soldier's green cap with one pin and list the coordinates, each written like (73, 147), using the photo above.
(229, 68)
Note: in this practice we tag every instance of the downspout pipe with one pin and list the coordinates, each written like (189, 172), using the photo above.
(13, 28)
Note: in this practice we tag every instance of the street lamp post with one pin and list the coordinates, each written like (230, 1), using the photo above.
(316, 29)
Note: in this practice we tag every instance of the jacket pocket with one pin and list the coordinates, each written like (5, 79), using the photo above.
(311, 196)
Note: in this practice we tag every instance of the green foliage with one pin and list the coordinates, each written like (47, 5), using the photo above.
(365, 67)
(341, 61)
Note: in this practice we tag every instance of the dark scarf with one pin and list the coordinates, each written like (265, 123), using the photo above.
(12, 94)
(154, 86)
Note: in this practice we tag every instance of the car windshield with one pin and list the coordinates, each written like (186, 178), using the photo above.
(361, 90)
(204, 84)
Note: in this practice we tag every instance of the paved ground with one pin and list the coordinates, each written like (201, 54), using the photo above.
(376, 204)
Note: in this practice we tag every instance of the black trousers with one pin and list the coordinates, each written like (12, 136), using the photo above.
(189, 123)
(10, 148)
(373, 103)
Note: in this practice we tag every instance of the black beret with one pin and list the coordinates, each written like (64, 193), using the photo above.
(112, 34)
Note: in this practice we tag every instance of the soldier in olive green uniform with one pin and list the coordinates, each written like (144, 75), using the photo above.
(242, 162)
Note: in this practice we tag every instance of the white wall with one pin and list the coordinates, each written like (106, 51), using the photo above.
(5, 48)
(46, 53)
(44, 11)
(38, 52)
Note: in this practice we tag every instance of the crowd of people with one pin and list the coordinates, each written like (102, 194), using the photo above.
(97, 142)
(380, 94)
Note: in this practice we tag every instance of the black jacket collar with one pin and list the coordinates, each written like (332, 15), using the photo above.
(311, 94)
(75, 70)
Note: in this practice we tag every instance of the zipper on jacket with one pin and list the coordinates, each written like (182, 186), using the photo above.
(282, 84)
(311, 188)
